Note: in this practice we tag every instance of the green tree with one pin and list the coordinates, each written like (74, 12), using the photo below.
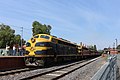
(101, 51)
(39, 28)
(118, 47)
(8, 37)
(95, 48)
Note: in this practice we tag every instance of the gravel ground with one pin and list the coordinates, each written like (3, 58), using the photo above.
(86, 73)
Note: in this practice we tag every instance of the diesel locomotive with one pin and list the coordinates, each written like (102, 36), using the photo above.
(44, 49)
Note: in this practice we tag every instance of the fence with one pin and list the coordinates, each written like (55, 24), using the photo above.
(108, 70)
(3, 52)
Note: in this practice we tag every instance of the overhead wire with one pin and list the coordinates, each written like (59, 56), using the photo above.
(19, 29)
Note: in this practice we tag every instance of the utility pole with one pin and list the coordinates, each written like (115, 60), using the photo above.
(21, 35)
(113, 45)
(116, 43)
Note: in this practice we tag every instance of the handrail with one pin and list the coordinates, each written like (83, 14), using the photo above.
(108, 70)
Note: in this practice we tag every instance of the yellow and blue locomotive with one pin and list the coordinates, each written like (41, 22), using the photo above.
(44, 49)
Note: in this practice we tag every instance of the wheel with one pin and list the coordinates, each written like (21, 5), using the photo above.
(39, 62)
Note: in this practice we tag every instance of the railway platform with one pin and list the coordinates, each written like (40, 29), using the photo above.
(11, 62)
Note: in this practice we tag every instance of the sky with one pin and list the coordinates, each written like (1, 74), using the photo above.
(93, 22)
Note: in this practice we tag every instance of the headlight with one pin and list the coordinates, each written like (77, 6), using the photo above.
(32, 40)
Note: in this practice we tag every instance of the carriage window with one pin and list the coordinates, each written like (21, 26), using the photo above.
(43, 36)
(36, 36)
(54, 40)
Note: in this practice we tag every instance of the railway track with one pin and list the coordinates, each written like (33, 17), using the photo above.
(59, 72)
(16, 71)
(13, 71)
(51, 73)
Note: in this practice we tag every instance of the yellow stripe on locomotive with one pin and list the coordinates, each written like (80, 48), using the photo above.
(38, 44)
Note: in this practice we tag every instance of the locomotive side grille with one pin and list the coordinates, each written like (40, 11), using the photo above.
(40, 52)
(43, 44)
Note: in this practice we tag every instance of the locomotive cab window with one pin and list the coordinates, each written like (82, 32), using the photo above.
(28, 44)
(45, 37)
(36, 36)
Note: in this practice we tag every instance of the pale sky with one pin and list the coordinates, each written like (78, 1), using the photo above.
(88, 21)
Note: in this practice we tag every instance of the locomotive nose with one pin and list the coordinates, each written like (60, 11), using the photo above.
(32, 48)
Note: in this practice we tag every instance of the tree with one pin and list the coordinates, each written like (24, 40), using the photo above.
(101, 51)
(39, 28)
(95, 48)
(118, 47)
(8, 37)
